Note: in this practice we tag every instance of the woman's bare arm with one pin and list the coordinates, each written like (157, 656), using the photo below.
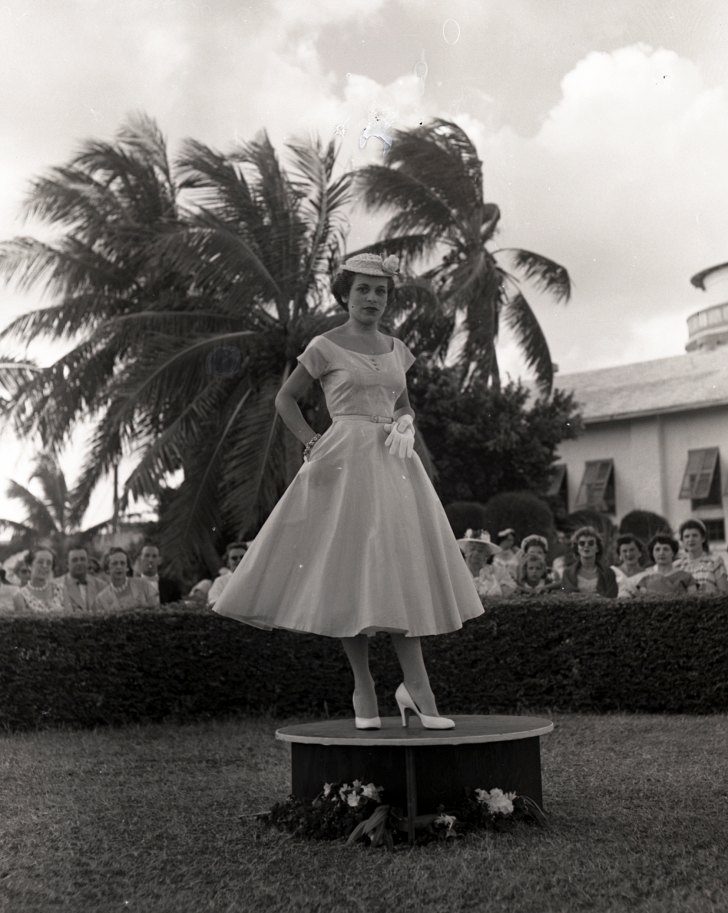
(402, 406)
(293, 389)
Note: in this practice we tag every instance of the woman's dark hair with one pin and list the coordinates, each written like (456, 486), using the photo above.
(692, 523)
(30, 557)
(230, 547)
(582, 533)
(662, 539)
(630, 539)
(344, 279)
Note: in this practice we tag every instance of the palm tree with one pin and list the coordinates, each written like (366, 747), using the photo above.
(432, 186)
(185, 319)
(47, 518)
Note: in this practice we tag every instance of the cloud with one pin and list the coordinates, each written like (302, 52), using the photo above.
(625, 185)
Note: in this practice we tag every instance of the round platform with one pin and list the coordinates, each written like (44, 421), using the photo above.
(419, 768)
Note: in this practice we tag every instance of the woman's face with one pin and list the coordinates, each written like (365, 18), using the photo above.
(692, 539)
(536, 550)
(117, 567)
(662, 553)
(587, 546)
(367, 299)
(475, 558)
(42, 565)
(629, 554)
(23, 574)
(507, 543)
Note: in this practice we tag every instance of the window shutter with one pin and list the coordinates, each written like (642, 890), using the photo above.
(699, 473)
(597, 474)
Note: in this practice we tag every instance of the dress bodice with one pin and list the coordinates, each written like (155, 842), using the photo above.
(356, 384)
(55, 604)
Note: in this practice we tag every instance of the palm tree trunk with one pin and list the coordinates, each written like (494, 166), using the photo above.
(115, 522)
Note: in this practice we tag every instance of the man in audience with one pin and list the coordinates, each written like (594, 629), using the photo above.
(168, 589)
(80, 588)
(232, 558)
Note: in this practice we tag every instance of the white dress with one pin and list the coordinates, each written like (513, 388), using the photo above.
(359, 542)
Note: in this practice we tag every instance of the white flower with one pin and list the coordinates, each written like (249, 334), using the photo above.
(372, 792)
(354, 800)
(496, 800)
(344, 791)
(447, 821)
(327, 789)
(391, 264)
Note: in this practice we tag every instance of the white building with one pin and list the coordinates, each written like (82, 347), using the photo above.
(656, 433)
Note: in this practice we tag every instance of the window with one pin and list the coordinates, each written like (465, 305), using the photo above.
(715, 530)
(701, 482)
(597, 487)
(559, 489)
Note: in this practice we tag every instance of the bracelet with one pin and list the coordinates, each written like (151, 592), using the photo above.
(307, 449)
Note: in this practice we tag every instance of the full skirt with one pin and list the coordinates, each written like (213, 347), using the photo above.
(359, 543)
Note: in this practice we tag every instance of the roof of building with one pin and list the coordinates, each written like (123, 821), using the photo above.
(696, 380)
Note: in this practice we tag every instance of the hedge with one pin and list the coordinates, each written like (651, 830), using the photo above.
(557, 654)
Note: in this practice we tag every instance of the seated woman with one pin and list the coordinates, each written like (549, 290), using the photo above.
(587, 575)
(479, 553)
(534, 575)
(507, 559)
(125, 592)
(664, 579)
(42, 592)
(629, 571)
(708, 570)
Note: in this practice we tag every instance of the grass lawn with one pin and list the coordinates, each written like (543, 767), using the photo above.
(147, 819)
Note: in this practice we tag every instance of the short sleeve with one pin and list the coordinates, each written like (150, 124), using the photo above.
(408, 359)
(313, 359)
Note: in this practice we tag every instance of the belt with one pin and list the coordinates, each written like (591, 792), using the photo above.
(362, 418)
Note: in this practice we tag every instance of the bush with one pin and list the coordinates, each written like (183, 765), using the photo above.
(464, 515)
(644, 524)
(571, 655)
(523, 511)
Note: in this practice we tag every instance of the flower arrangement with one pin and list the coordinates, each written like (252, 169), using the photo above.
(355, 812)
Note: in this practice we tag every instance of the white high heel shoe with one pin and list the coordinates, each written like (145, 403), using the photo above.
(362, 722)
(407, 705)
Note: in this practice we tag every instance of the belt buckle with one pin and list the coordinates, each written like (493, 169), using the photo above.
(375, 418)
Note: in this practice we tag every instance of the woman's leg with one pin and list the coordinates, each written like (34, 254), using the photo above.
(365, 695)
(409, 654)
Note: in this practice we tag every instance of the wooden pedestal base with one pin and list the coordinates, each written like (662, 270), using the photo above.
(420, 768)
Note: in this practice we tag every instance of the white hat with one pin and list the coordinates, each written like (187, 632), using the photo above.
(372, 265)
(482, 540)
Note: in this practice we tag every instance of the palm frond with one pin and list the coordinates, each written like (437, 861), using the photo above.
(522, 321)
(37, 514)
(546, 274)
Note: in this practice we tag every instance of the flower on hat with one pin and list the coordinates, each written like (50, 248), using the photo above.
(391, 264)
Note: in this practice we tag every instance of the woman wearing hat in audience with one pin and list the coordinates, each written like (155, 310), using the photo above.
(708, 570)
(359, 542)
(507, 558)
(587, 575)
(479, 553)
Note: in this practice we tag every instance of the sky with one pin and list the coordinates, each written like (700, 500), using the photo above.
(602, 126)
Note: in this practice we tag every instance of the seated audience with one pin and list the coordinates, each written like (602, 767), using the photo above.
(168, 589)
(507, 559)
(664, 579)
(708, 570)
(538, 545)
(80, 588)
(231, 559)
(629, 571)
(534, 575)
(587, 575)
(125, 592)
(41, 593)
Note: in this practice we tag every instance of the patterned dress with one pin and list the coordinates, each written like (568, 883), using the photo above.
(707, 569)
(35, 603)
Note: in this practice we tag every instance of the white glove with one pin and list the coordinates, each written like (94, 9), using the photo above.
(401, 440)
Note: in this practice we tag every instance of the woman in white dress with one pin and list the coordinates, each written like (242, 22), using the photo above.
(708, 570)
(41, 593)
(359, 542)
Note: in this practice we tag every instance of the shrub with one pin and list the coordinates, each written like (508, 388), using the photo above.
(523, 511)
(644, 524)
(576, 655)
(465, 515)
